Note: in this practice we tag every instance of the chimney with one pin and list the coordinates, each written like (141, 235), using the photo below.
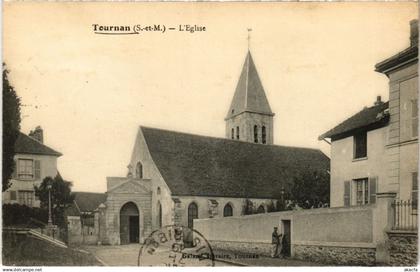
(378, 101)
(414, 32)
(37, 134)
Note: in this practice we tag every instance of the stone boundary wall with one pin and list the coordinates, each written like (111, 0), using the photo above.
(402, 246)
(336, 255)
(342, 236)
(326, 225)
(262, 249)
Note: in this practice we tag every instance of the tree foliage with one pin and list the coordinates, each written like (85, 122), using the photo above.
(311, 190)
(11, 127)
(61, 197)
(24, 216)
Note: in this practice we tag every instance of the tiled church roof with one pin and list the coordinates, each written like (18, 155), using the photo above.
(249, 94)
(368, 118)
(27, 145)
(206, 166)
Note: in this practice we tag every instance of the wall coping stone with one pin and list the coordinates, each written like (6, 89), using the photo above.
(334, 244)
(292, 213)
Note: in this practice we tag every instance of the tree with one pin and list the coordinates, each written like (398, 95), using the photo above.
(11, 127)
(61, 197)
(311, 190)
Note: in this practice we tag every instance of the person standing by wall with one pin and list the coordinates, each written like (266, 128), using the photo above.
(276, 243)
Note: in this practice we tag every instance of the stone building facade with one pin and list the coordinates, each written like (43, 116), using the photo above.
(376, 150)
(175, 177)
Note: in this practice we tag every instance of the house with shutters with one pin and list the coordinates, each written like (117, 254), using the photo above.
(376, 150)
(33, 162)
(358, 156)
(175, 177)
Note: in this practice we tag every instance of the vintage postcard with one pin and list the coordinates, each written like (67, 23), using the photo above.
(210, 134)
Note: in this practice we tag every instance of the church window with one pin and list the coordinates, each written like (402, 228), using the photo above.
(255, 134)
(237, 133)
(263, 135)
(139, 170)
(261, 209)
(159, 215)
(192, 214)
(158, 191)
(233, 134)
(227, 210)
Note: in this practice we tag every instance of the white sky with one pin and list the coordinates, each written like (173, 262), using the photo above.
(91, 92)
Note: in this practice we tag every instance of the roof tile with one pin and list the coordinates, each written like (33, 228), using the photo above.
(374, 117)
(27, 145)
(207, 166)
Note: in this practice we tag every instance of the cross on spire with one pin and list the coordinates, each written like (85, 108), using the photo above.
(249, 36)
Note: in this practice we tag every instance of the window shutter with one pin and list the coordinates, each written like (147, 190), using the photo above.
(372, 189)
(37, 168)
(15, 169)
(414, 189)
(346, 193)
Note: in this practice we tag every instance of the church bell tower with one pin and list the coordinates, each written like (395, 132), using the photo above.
(250, 118)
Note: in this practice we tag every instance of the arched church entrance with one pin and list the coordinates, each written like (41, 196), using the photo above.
(129, 223)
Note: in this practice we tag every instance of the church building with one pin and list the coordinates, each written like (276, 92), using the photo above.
(175, 177)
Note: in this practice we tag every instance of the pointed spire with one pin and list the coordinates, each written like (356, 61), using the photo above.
(249, 94)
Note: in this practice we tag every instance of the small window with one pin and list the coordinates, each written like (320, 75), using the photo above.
(158, 191)
(263, 135)
(12, 195)
(414, 189)
(360, 145)
(414, 118)
(255, 134)
(362, 191)
(26, 198)
(139, 170)
(237, 133)
(25, 169)
(233, 134)
(227, 210)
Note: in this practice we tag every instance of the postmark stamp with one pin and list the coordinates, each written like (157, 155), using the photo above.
(176, 246)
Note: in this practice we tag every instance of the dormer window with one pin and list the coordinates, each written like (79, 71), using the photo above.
(360, 145)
